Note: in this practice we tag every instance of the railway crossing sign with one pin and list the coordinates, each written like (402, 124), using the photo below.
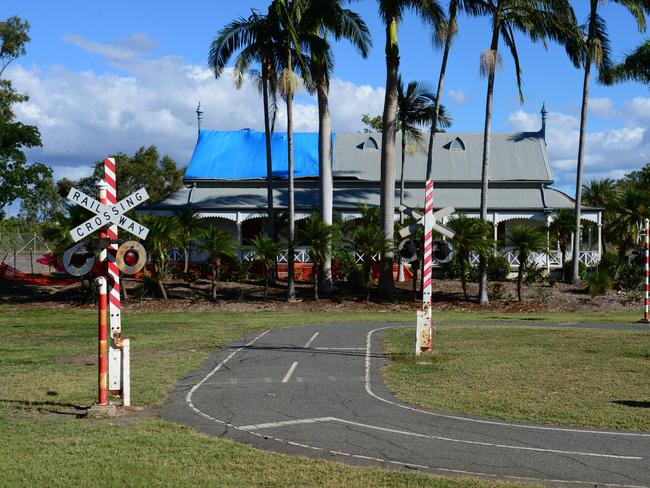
(108, 214)
(435, 216)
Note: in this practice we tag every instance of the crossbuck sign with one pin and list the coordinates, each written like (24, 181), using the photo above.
(108, 214)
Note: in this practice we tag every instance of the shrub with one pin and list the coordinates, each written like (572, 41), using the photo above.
(630, 276)
(568, 268)
(450, 270)
(497, 291)
(498, 268)
(600, 282)
(610, 264)
(534, 273)
(542, 295)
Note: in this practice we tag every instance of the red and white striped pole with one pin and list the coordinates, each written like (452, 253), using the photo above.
(114, 304)
(102, 383)
(646, 231)
(424, 330)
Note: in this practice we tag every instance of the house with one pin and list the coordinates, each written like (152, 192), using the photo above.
(226, 181)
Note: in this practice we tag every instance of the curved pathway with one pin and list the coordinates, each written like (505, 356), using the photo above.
(318, 391)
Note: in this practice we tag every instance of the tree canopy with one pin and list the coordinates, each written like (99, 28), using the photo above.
(16, 176)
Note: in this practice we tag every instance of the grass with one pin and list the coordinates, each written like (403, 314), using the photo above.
(47, 362)
(591, 378)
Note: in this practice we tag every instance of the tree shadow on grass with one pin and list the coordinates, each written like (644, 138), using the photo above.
(632, 403)
(59, 408)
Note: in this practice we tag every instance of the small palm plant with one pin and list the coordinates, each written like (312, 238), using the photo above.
(563, 226)
(525, 241)
(188, 225)
(163, 235)
(318, 236)
(266, 250)
(218, 244)
(368, 239)
(471, 235)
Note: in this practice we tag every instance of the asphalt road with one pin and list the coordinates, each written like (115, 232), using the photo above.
(317, 391)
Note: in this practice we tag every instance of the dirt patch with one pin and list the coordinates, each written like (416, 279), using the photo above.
(249, 297)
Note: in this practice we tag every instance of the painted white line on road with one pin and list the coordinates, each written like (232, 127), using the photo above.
(311, 340)
(340, 348)
(271, 425)
(290, 372)
(486, 444)
(477, 421)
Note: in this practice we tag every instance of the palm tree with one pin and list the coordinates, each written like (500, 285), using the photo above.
(471, 236)
(163, 236)
(632, 205)
(368, 239)
(415, 107)
(602, 193)
(254, 38)
(524, 241)
(563, 226)
(445, 36)
(318, 236)
(286, 15)
(266, 250)
(218, 244)
(188, 225)
(594, 50)
(391, 13)
(635, 66)
(323, 18)
(538, 19)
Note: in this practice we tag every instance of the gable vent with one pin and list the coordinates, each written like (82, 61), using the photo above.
(457, 145)
(370, 143)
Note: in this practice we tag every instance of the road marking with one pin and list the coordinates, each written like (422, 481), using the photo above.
(477, 421)
(290, 372)
(271, 425)
(311, 340)
(340, 348)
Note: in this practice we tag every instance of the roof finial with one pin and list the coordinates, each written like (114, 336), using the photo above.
(199, 116)
(544, 113)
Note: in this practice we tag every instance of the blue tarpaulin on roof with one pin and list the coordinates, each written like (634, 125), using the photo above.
(242, 155)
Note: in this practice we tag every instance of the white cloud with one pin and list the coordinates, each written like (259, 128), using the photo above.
(601, 107)
(609, 153)
(458, 96)
(83, 116)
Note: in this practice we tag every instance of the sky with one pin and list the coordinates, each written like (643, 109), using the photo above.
(107, 77)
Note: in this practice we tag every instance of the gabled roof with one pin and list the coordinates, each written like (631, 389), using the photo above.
(457, 157)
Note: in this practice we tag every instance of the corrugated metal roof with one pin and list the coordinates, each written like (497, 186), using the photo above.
(466, 199)
(457, 156)
(514, 156)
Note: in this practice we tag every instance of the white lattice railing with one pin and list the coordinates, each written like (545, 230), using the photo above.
(589, 258)
(552, 260)
(360, 257)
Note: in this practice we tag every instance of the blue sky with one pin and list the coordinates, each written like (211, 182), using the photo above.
(112, 76)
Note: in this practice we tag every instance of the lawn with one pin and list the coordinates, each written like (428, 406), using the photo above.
(47, 363)
(591, 378)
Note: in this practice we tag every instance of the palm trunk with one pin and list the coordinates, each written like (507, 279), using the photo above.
(483, 295)
(214, 290)
(575, 272)
(161, 286)
(291, 287)
(325, 169)
(520, 274)
(387, 197)
(400, 266)
(315, 277)
(441, 79)
(267, 271)
(463, 278)
(186, 257)
(269, 162)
